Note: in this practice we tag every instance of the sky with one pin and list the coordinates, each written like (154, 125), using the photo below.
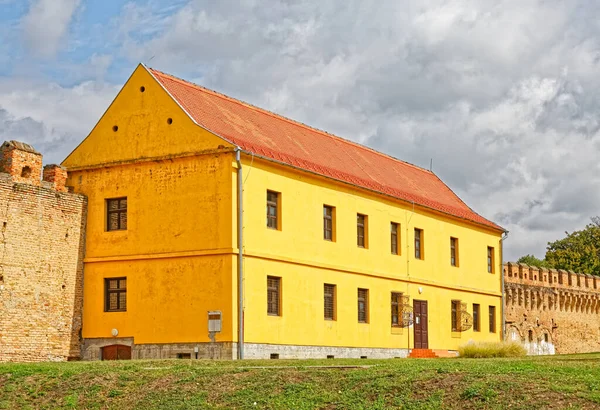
(502, 97)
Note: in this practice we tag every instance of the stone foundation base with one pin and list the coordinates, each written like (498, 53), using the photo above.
(92, 350)
(265, 351)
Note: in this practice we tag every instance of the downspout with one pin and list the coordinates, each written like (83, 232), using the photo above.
(502, 313)
(240, 262)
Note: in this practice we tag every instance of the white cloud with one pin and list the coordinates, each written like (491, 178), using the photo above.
(46, 25)
(52, 118)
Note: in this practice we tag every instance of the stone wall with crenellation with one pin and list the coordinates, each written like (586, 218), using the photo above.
(42, 229)
(552, 311)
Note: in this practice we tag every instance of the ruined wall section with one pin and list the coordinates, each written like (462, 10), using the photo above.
(552, 311)
(41, 259)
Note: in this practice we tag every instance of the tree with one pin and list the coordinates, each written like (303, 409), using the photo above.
(579, 251)
(531, 260)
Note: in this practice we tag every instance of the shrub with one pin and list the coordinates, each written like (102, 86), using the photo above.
(491, 349)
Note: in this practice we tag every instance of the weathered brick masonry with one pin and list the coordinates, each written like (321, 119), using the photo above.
(552, 311)
(41, 259)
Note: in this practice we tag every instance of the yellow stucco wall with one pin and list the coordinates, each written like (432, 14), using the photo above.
(167, 299)
(177, 250)
(143, 130)
(305, 261)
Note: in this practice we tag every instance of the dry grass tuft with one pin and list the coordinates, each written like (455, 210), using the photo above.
(479, 350)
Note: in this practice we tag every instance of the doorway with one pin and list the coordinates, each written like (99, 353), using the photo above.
(420, 324)
(116, 352)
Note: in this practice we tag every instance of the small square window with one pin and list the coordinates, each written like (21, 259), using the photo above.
(116, 214)
(395, 238)
(273, 296)
(453, 251)
(418, 243)
(329, 301)
(329, 223)
(363, 305)
(273, 209)
(115, 294)
(490, 259)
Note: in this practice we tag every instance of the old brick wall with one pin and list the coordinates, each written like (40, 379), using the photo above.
(41, 259)
(552, 311)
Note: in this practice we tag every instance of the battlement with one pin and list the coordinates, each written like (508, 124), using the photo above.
(554, 278)
(547, 308)
(24, 165)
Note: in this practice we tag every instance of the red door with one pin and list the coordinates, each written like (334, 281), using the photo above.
(420, 324)
(116, 352)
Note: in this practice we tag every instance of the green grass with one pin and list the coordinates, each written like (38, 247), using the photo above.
(523, 383)
(480, 350)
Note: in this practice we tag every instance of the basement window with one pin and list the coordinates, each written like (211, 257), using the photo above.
(184, 355)
(274, 356)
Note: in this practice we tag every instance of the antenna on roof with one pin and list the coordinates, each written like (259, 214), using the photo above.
(151, 58)
(431, 165)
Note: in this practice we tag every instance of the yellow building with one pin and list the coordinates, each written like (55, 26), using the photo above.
(346, 252)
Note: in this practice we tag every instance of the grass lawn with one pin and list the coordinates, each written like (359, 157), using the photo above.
(571, 381)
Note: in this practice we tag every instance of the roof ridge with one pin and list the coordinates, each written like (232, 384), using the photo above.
(284, 118)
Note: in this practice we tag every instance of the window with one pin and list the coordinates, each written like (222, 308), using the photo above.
(453, 251)
(361, 230)
(490, 259)
(115, 294)
(476, 318)
(116, 214)
(492, 319)
(328, 223)
(394, 229)
(363, 305)
(418, 243)
(396, 309)
(272, 210)
(455, 319)
(273, 296)
(329, 301)
(530, 336)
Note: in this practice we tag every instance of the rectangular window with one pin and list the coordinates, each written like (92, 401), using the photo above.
(115, 294)
(329, 301)
(490, 259)
(328, 223)
(418, 243)
(455, 315)
(394, 236)
(453, 251)
(492, 319)
(272, 210)
(396, 309)
(361, 230)
(363, 305)
(476, 318)
(116, 214)
(273, 296)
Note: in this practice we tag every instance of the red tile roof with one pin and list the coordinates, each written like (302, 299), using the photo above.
(278, 138)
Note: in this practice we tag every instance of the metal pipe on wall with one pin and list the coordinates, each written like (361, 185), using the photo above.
(240, 263)
(501, 271)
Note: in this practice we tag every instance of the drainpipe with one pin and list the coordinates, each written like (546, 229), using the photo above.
(240, 262)
(503, 335)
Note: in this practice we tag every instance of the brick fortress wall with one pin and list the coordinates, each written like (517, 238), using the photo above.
(552, 311)
(41, 259)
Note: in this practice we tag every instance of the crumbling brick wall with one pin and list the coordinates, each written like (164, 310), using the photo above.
(41, 259)
(552, 311)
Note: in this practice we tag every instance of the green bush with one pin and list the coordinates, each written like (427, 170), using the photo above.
(491, 349)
